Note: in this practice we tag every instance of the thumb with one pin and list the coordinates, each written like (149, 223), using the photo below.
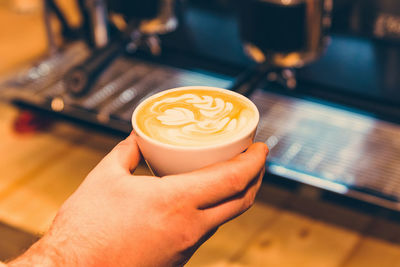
(125, 156)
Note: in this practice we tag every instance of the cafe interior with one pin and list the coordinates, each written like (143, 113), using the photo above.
(324, 75)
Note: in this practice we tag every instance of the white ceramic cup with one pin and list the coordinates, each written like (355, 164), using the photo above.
(166, 159)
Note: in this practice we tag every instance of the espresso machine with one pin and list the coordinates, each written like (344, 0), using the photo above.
(323, 73)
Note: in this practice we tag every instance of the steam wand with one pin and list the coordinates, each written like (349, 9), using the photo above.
(249, 80)
(252, 78)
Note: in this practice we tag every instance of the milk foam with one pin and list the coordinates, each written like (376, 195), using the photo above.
(197, 119)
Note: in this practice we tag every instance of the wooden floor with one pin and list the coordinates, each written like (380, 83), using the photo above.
(39, 171)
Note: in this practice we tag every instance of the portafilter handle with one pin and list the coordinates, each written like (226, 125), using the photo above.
(79, 80)
(144, 20)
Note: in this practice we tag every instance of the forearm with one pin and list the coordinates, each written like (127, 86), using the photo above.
(37, 255)
(45, 253)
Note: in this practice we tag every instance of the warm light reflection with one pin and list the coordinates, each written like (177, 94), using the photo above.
(286, 2)
(57, 104)
(308, 179)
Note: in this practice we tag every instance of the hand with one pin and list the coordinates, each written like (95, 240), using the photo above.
(117, 219)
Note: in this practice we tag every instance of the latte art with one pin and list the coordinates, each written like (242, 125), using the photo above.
(213, 111)
(194, 118)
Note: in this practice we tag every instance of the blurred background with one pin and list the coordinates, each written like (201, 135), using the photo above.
(323, 73)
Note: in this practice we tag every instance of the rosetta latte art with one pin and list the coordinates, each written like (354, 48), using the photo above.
(191, 119)
(214, 116)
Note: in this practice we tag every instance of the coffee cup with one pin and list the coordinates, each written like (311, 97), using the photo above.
(187, 128)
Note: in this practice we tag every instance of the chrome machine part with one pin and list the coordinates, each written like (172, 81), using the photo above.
(285, 33)
(51, 43)
(164, 22)
(144, 21)
(331, 148)
(99, 22)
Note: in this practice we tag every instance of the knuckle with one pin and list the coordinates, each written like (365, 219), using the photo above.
(122, 144)
(187, 239)
(175, 192)
(248, 202)
(236, 181)
(189, 235)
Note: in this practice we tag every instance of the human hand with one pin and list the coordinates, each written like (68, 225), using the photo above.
(117, 219)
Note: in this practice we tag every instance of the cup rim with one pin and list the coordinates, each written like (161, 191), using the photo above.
(251, 127)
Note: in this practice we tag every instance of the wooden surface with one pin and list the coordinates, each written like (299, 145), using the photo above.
(39, 171)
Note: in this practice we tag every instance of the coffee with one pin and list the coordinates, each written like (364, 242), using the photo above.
(196, 117)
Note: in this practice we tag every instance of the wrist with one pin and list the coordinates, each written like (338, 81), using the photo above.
(47, 252)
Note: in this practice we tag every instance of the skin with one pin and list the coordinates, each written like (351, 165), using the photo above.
(117, 219)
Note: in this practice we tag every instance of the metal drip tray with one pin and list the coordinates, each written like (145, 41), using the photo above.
(331, 148)
(327, 147)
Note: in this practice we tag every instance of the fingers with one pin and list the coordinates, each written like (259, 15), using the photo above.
(216, 183)
(233, 207)
(125, 156)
